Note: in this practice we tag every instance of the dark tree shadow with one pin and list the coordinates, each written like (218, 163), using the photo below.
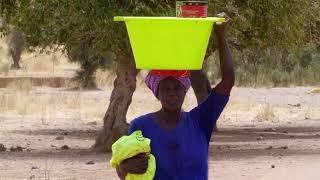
(68, 133)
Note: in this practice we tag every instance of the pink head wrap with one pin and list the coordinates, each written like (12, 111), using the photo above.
(154, 78)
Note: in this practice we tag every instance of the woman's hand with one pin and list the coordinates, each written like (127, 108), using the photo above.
(135, 165)
(221, 27)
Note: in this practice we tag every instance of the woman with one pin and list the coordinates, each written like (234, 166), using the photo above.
(180, 140)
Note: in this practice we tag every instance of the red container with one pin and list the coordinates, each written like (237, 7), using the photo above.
(173, 73)
(193, 9)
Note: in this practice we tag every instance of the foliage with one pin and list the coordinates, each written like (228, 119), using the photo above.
(301, 68)
(274, 43)
(259, 24)
(86, 31)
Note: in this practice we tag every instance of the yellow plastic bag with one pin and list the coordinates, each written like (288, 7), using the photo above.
(129, 146)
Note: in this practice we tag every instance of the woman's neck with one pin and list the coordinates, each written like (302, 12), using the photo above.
(169, 118)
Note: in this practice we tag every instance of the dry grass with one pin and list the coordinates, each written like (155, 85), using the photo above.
(43, 65)
(73, 102)
(315, 90)
(21, 103)
(310, 113)
(4, 62)
(266, 113)
(49, 105)
(46, 64)
(104, 79)
(16, 97)
(20, 86)
(240, 106)
(4, 68)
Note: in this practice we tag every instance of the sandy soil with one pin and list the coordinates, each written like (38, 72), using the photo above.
(264, 134)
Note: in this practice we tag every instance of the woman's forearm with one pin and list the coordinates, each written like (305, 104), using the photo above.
(226, 62)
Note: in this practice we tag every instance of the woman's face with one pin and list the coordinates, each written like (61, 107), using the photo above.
(171, 94)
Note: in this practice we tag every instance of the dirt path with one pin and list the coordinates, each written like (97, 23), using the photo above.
(265, 134)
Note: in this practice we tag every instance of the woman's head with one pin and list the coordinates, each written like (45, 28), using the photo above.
(169, 87)
(171, 93)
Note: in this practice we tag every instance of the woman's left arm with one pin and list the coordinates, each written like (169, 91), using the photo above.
(226, 62)
(210, 109)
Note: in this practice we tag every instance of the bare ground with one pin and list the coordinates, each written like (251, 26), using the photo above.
(267, 134)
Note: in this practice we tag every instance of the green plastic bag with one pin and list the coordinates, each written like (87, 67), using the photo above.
(129, 146)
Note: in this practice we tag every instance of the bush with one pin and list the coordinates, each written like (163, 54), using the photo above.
(302, 67)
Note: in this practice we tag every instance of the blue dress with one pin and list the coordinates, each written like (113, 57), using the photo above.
(182, 153)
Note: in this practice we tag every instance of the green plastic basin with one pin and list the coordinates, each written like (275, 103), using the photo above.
(169, 43)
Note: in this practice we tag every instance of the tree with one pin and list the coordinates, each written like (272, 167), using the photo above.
(258, 25)
(125, 84)
(73, 27)
(16, 41)
(16, 45)
(86, 32)
(262, 26)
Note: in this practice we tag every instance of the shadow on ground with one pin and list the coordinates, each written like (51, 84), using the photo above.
(277, 133)
(228, 143)
(68, 133)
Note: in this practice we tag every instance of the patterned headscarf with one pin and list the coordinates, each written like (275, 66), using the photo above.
(154, 78)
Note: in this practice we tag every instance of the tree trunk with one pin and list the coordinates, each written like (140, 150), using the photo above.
(85, 76)
(16, 45)
(16, 59)
(115, 124)
(200, 84)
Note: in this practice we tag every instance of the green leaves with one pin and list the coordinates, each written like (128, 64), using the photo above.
(256, 23)
(82, 25)
(267, 23)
